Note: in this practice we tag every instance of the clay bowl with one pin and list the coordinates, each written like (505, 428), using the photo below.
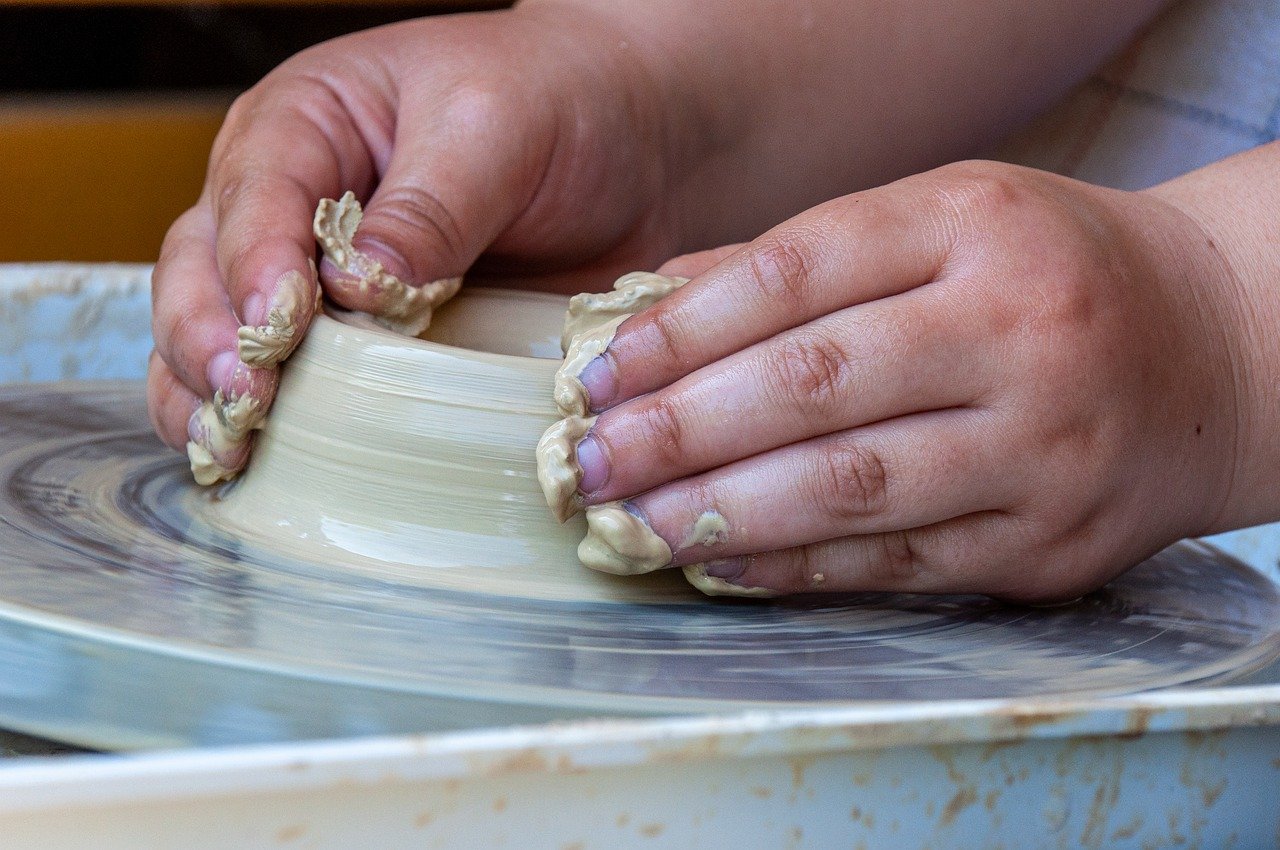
(413, 459)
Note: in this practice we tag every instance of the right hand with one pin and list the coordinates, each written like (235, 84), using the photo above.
(537, 140)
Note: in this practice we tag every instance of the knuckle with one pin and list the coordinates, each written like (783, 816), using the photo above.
(663, 425)
(789, 570)
(812, 373)
(410, 210)
(179, 328)
(666, 337)
(899, 562)
(852, 483)
(974, 195)
(781, 268)
(232, 182)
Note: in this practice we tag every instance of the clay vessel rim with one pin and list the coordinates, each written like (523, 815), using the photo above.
(360, 322)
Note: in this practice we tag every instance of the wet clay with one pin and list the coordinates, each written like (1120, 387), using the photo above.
(709, 529)
(621, 543)
(618, 541)
(413, 461)
(559, 472)
(222, 428)
(589, 326)
(696, 574)
(402, 308)
(264, 346)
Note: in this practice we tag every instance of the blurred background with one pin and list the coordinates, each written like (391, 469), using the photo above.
(107, 111)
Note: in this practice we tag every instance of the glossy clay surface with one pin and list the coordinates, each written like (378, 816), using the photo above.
(413, 460)
(137, 608)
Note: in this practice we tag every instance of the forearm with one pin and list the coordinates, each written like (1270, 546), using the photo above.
(779, 105)
(1236, 203)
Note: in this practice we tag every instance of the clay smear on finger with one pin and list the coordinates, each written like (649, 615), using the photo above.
(621, 543)
(220, 432)
(711, 529)
(712, 586)
(558, 470)
(295, 298)
(402, 308)
(593, 320)
(590, 324)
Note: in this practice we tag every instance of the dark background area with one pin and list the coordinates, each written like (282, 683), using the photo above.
(112, 49)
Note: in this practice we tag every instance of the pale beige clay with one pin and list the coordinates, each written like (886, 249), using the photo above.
(631, 293)
(712, 586)
(617, 540)
(709, 529)
(264, 346)
(558, 469)
(225, 426)
(621, 543)
(402, 308)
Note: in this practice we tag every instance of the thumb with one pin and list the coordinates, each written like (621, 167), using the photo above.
(449, 190)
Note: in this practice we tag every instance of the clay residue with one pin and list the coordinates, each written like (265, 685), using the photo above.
(631, 293)
(589, 327)
(617, 540)
(558, 470)
(712, 586)
(709, 529)
(265, 346)
(569, 393)
(401, 307)
(621, 543)
(222, 429)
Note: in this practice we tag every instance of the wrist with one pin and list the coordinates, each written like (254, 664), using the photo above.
(635, 99)
(1220, 252)
(700, 73)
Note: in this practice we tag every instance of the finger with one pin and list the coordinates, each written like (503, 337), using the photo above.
(281, 149)
(864, 364)
(905, 473)
(195, 332)
(699, 262)
(956, 556)
(848, 251)
(457, 178)
(170, 403)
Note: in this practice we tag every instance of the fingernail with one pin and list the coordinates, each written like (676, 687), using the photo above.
(727, 569)
(196, 430)
(595, 468)
(270, 331)
(600, 383)
(222, 371)
(254, 311)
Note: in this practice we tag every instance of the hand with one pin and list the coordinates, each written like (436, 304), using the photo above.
(530, 138)
(980, 379)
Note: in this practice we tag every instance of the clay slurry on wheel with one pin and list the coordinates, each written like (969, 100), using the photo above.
(104, 542)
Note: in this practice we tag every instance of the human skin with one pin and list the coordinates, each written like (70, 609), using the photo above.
(983, 378)
(564, 142)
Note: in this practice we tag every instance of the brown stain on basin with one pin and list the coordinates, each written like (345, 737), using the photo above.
(961, 800)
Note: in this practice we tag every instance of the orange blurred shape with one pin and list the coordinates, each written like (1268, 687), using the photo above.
(100, 178)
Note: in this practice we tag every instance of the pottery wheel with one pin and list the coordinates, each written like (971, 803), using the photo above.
(122, 624)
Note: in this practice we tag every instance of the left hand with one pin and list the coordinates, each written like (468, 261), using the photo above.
(982, 379)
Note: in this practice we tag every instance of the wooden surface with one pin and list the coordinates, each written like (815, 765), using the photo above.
(98, 179)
